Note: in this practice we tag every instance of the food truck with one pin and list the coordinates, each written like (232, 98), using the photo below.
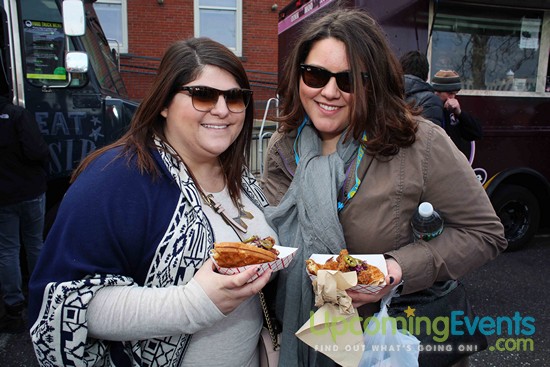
(58, 65)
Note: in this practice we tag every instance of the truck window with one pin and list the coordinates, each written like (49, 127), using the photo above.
(101, 55)
(492, 48)
(44, 44)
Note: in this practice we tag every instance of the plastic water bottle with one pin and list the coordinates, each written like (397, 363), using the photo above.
(426, 223)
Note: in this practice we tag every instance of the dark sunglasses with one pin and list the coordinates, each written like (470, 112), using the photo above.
(204, 99)
(315, 77)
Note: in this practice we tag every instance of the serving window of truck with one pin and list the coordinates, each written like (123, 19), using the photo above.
(494, 48)
(501, 50)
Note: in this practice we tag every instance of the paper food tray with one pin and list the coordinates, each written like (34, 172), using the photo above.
(286, 254)
(375, 260)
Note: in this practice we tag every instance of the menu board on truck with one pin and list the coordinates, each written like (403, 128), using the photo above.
(44, 49)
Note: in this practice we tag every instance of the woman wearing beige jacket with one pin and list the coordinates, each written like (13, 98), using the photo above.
(350, 165)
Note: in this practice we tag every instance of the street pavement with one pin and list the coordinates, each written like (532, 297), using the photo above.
(513, 282)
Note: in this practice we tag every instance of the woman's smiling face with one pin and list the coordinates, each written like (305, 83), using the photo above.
(203, 136)
(327, 107)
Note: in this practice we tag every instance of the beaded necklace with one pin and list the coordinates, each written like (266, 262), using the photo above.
(360, 154)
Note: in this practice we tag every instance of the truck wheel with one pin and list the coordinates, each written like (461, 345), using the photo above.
(519, 211)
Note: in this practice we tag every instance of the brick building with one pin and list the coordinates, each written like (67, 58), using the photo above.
(143, 29)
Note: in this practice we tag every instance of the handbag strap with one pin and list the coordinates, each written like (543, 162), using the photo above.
(267, 318)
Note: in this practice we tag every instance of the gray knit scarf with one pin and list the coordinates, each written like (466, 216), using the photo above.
(307, 218)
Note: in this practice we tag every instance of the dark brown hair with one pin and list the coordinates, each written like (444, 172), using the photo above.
(415, 63)
(377, 107)
(182, 63)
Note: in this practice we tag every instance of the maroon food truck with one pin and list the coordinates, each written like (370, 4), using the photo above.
(501, 50)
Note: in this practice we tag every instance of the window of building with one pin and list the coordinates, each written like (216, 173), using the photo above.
(113, 16)
(220, 20)
(492, 48)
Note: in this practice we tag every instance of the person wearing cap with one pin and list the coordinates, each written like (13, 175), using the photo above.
(416, 67)
(462, 127)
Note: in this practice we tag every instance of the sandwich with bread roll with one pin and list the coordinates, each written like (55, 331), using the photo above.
(254, 250)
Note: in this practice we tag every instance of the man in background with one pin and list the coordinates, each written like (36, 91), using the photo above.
(459, 125)
(416, 67)
(24, 157)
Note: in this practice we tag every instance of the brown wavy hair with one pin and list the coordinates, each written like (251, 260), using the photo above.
(377, 107)
(182, 63)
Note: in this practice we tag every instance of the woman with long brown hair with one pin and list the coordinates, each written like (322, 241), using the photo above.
(349, 166)
(125, 277)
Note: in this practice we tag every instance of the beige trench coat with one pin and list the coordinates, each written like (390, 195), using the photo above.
(377, 219)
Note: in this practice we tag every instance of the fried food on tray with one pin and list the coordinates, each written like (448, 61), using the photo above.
(366, 274)
(251, 251)
(371, 275)
(312, 266)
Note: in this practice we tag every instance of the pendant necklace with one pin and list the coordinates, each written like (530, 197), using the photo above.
(242, 214)
(235, 222)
